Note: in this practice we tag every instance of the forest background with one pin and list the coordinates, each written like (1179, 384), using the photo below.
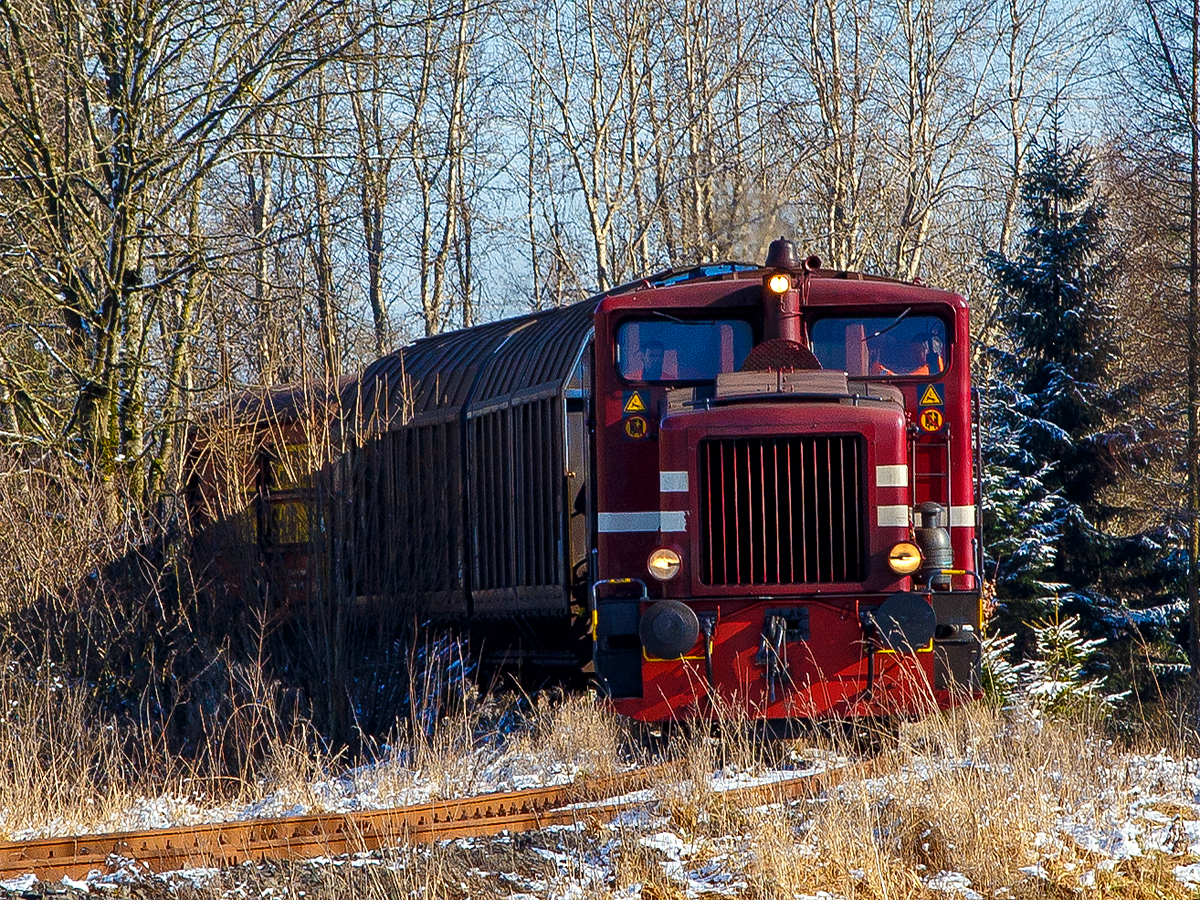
(200, 198)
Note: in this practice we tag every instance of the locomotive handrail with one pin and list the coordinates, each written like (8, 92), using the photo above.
(796, 395)
(708, 403)
(941, 572)
(604, 581)
(977, 460)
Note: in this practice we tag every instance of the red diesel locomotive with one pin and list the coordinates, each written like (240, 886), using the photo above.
(746, 489)
(794, 493)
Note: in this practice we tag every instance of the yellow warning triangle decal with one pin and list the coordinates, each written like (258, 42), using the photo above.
(931, 397)
(634, 403)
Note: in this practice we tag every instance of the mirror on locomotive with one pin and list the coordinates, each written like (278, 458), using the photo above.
(661, 351)
(886, 346)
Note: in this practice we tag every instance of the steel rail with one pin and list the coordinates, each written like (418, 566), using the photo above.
(306, 837)
(332, 834)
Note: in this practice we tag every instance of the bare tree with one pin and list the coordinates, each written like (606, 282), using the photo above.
(582, 58)
(842, 66)
(437, 91)
(376, 150)
(1174, 36)
(320, 237)
(937, 93)
(710, 181)
(653, 119)
(1047, 55)
(896, 94)
(111, 115)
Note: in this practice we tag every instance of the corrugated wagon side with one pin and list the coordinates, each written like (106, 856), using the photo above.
(467, 481)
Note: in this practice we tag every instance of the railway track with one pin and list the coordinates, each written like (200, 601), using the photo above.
(305, 837)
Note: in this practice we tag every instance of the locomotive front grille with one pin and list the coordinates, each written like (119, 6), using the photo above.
(781, 510)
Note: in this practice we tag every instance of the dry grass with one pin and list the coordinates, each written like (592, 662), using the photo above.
(67, 767)
(498, 742)
(990, 798)
(986, 796)
(975, 792)
(55, 765)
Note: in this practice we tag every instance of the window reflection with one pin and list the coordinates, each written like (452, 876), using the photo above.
(886, 346)
(663, 350)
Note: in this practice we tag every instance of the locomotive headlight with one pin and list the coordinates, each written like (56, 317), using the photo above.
(904, 558)
(779, 283)
(663, 564)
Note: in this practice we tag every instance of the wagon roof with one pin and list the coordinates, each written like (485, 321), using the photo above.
(440, 377)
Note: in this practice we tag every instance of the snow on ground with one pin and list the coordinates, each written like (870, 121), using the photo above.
(1155, 810)
(384, 785)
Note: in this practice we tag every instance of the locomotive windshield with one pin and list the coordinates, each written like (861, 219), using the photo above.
(669, 350)
(904, 344)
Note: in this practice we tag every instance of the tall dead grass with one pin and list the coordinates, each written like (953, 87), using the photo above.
(121, 689)
(132, 664)
(68, 766)
(1010, 805)
(495, 742)
(57, 768)
(977, 802)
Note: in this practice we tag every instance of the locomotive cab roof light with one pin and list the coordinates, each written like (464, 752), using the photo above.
(779, 283)
(781, 256)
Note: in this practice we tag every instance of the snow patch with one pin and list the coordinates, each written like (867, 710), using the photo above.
(953, 883)
(20, 883)
(1116, 841)
(1189, 875)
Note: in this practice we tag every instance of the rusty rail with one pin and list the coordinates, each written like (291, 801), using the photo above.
(303, 837)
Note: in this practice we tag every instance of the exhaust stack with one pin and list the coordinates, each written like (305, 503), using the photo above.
(781, 294)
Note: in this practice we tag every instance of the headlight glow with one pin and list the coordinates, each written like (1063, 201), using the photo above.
(779, 283)
(663, 564)
(904, 558)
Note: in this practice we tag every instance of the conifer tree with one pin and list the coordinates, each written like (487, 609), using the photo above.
(1049, 410)
(1059, 319)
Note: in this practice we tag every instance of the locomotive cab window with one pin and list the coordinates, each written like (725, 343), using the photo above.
(886, 346)
(660, 351)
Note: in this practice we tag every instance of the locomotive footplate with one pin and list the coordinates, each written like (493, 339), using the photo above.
(956, 644)
(617, 646)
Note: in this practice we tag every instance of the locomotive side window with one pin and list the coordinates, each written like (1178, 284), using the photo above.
(670, 350)
(886, 345)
